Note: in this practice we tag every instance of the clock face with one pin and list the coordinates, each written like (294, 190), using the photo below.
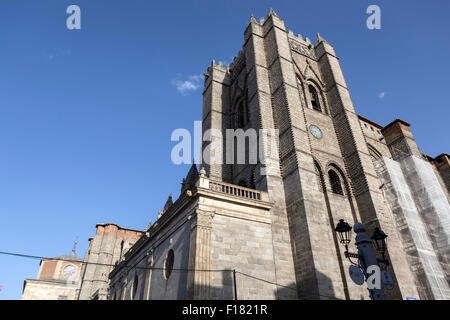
(69, 271)
(315, 131)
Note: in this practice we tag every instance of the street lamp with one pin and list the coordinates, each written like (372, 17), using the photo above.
(366, 257)
(343, 231)
(379, 240)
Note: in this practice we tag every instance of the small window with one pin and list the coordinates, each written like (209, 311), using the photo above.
(314, 98)
(168, 264)
(335, 182)
(252, 179)
(135, 286)
(62, 297)
(242, 115)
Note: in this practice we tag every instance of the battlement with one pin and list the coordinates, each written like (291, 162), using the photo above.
(237, 63)
(306, 41)
(263, 20)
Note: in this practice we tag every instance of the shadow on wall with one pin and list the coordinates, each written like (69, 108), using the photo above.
(322, 290)
(223, 288)
(153, 284)
(176, 285)
(226, 290)
(319, 288)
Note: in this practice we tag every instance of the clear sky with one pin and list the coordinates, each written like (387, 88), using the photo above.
(86, 115)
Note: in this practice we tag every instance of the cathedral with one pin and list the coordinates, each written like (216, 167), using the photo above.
(266, 229)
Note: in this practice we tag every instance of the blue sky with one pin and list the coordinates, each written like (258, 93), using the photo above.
(86, 115)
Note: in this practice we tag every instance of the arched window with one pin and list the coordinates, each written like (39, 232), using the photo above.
(134, 288)
(242, 114)
(374, 153)
(168, 264)
(314, 98)
(335, 182)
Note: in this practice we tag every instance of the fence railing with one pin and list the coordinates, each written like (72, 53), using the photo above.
(237, 191)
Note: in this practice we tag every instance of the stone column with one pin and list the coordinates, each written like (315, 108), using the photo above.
(150, 263)
(199, 280)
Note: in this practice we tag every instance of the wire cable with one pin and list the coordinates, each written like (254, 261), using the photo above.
(174, 269)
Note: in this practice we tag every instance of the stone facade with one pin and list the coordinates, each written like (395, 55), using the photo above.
(213, 228)
(283, 82)
(279, 75)
(265, 229)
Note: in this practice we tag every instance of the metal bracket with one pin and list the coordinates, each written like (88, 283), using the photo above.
(351, 255)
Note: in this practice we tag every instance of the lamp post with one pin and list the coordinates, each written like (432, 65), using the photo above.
(379, 241)
(366, 257)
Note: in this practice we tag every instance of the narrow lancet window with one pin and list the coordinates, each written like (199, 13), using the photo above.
(314, 98)
(335, 182)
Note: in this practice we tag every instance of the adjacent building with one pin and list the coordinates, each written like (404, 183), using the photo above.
(58, 279)
(106, 249)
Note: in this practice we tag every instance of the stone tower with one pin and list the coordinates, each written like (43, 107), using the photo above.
(106, 249)
(323, 170)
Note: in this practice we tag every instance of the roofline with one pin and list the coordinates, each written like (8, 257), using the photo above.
(395, 121)
(114, 224)
(62, 259)
(183, 200)
(443, 154)
(430, 158)
(379, 126)
(53, 281)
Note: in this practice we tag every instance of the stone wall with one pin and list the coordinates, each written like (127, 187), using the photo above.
(48, 290)
(170, 232)
(245, 246)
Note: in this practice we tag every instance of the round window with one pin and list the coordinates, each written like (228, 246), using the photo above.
(168, 264)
